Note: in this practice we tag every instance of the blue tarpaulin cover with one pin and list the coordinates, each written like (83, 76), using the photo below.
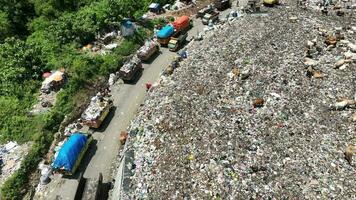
(165, 32)
(127, 24)
(68, 154)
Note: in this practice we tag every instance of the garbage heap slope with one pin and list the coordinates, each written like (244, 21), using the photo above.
(202, 135)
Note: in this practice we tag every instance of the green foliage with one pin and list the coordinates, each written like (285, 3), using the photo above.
(15, 123)
(126, 48)
(53, 8)
(18, 14)
(4, 26)
(19, 62)
(49, 35)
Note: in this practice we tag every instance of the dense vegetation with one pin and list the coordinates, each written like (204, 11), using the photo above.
(42, 35)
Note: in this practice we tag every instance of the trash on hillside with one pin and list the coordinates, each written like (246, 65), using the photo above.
(46, 172)
(54, 82)
(112, 79)
(128, 28)
(11, 156)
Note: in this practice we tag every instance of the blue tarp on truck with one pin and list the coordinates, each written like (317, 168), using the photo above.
(70, 151)
(165, 32)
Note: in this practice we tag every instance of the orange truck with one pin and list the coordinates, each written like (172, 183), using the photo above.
(182, 23)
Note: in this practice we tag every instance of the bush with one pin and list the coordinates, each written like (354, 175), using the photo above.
(56, 34)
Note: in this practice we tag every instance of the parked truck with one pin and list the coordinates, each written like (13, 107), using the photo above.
(97, 111)
(182, 24)
(177, 41)
(147, 50)
(69, 156)
(213, 17)
(222, 4)
(130, 69)
(163, 35)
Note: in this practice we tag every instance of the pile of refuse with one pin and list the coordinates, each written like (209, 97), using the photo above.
(105, 42)
(53, 82)
(73, 128)
(11, 155)
(337, 7)
(130, 64)
(243, 116)
(147, 49)
(97, 105)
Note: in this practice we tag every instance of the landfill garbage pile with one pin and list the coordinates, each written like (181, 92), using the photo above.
(338, 7)
(11, 155)
(243, 118)
(45, 103)
(53, 82)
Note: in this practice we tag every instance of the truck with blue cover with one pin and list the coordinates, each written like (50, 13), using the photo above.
(69, 156)
(164, 35)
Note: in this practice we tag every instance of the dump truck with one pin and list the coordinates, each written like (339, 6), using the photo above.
(222, 4)
(163, 35)
(213, 17)
(182, 23)
(147, 50)
(203, 11)
(97, 111)
(130, 69)
(69, 156)
(177, 41)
